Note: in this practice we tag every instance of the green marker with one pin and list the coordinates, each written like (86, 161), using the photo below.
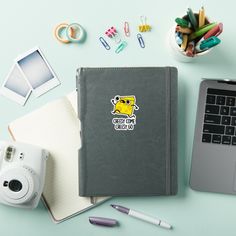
(208, 43)
(183, 23)
(192, 18)
(201, 31)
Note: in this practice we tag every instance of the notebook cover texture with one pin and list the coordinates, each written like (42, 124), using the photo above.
(128, 131)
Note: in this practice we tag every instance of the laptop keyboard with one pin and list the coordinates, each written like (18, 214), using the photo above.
(220, 117)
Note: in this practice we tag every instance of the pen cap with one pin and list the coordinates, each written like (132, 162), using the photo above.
(177, 52)
(103, 221)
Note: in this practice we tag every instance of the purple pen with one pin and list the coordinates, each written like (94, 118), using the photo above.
(142, 216)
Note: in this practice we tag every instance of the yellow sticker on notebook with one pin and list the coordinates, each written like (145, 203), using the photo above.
(124, 106)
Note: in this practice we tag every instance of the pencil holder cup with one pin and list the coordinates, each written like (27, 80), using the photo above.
(178, 53)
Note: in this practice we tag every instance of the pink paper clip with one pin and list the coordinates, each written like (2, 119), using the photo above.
(126, 29)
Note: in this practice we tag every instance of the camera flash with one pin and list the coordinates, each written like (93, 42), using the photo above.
(9, 153)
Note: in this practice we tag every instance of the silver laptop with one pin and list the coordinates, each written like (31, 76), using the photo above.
(214, 147)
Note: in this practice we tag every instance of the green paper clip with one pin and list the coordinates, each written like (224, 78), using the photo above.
(121, 47)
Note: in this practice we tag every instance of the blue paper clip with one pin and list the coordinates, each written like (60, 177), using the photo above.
(121, 47)
(140, 40)
(104, 43)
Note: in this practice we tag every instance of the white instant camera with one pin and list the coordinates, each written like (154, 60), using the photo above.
(22, 174)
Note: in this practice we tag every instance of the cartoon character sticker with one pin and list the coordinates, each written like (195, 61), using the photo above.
(124, 106)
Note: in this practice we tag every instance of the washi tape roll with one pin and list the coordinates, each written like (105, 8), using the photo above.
(78, 33)
(58, 32)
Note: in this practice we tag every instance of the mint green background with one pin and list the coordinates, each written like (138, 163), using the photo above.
(25, 24)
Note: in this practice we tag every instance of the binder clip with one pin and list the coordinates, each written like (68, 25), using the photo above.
(113, 34)
(144, 27)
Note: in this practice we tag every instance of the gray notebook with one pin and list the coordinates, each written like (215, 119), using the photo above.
(128, 131)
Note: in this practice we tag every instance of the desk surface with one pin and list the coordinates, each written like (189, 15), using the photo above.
(26, 23)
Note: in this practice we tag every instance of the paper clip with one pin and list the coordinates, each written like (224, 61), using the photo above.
(140, 40)
(126, 29)
(104, 43)
(144, 27)
(121, 47)
(117, 38)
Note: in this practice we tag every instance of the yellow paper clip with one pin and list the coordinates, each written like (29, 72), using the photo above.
(144, 27)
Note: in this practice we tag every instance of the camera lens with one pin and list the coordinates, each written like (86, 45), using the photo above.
(15, 185)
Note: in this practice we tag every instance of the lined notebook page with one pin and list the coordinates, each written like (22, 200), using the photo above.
(55, 127)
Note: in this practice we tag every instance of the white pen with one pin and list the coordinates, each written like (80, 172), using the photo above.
(142, 216)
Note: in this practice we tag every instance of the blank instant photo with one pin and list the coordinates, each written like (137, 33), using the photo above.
(15, 87)
(37, 71)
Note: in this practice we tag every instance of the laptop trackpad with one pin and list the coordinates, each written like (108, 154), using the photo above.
(234, 180)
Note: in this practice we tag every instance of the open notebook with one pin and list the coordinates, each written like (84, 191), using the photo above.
(55, 127)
